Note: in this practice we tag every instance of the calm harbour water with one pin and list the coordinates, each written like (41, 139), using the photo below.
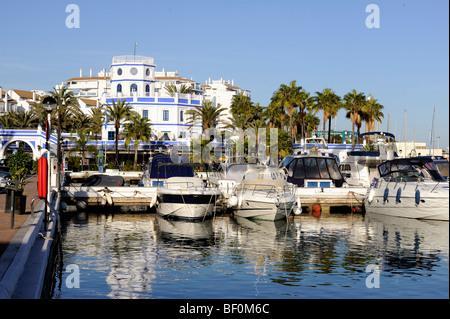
(144, 256)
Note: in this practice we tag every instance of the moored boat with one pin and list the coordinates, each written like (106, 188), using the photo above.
(410, 188)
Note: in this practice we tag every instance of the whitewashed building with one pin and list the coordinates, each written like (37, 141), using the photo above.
(136, 80)
(222, 92)
(133, 79)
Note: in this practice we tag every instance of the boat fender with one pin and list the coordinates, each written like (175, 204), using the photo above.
(417, 197)
(386, 195)
(233, 201)
(398, 196)
(371, 195)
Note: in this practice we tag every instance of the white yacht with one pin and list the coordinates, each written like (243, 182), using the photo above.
(360, 166)
(263, 193)
(411, 188)
(319, 181)
(184, 195)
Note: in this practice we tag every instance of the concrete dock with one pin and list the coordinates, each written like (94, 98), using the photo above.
(27, 249)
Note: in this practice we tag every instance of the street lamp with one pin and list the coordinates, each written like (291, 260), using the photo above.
(49, 104)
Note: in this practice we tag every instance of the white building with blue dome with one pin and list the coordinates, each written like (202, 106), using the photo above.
(133, 79)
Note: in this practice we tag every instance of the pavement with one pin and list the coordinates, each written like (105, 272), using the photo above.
(6, 233)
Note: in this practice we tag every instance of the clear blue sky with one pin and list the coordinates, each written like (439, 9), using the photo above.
(259, 44)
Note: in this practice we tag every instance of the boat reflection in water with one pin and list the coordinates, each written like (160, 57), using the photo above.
(146, 256)
(183, 229)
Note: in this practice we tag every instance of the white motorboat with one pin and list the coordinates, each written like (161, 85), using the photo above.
(360, 166)
(184, 195)
(411, 188)
(319, 181)
(263, 194)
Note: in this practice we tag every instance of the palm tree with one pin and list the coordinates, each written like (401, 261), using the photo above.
(372, 113)
(172, 89)
(275, 115)
(305, 104)
(82, 121)
(67, 108)
(81, 145)
(354, 103)
(7, 120)
(329, 103)
(118, 112)
(19, 119)
(286, 97)
(137, 129)
(97, 119)
(312, 122)
(208, 114)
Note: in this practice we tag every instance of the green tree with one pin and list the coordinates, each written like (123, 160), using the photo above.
(372, 113)
(329, 103)
(97, 119)
(137, 129)
(208, 115)
(172, 89)
(117, 113)
(67, 108)
(20, 165)
(354, 103)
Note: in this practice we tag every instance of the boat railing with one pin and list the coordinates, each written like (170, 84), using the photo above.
(269, 190)
(190, 185)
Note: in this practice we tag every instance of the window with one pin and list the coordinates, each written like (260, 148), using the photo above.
(111, 135)
(133, 88)
(165, 115)
(147, 90)
(181, 116)
(133, 71)
(147, 72)
(323, 168)
(299, 170)
(312, 170)
(182, 134)
(119, 88)
(145, 114)
(333, 169)
(119, 71)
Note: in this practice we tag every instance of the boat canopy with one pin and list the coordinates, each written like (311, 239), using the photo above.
(378, 133)
(168, 170)
(410, 167)
(155, 161)
(315, 168)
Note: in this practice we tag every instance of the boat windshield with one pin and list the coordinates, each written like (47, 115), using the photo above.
(409, 170)
(314, 168)
(442, 167)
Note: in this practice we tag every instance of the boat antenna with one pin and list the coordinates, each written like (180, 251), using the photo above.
(432, 132)
(404, 131)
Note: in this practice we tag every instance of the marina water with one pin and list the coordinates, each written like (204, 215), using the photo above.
(145, 256)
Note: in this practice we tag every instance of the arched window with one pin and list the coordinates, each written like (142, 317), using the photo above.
(133, 88)
(147, 90)
(119, 88)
